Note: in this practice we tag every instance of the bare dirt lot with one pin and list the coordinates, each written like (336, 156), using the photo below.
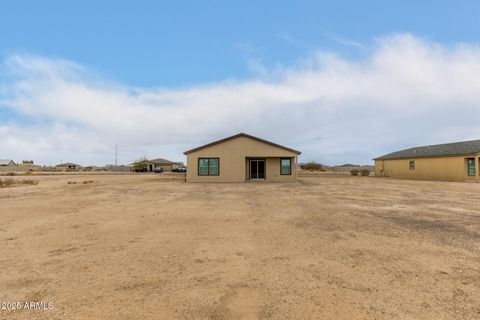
(154, 247)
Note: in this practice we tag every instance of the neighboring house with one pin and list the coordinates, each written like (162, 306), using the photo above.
(29, 165)
(7, 163)
(158, 165)
(241, 157)
(163, 164)
(67, 166)
(119, 168)
(457, 161)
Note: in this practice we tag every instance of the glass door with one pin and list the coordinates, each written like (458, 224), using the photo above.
(257, 169)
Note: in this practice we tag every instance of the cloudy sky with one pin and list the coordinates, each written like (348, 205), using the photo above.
(342, 83)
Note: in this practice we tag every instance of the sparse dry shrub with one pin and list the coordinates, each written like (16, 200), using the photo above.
(31, 182)
(10, 174)
(4, 183)
(354, 172)
(365, 172)
(312, 166)
(7, 183)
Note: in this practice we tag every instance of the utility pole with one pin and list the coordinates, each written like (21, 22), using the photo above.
(116, 155)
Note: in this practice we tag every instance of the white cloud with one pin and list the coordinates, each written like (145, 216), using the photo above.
(408, 91)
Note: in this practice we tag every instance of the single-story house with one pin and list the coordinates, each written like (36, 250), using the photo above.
(7, 163)
(241, 157)
(457, 161)
(119, 168)
(163, 164)
(67, 166)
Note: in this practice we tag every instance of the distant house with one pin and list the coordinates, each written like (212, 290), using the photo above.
(164, 164)
(7, 163)
(241, 157)
(68, 166)
(119, 168)
(457, 161)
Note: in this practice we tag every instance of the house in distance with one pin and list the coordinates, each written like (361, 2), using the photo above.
(241, 157)
(68, 166)
(7, 163)
(163, 165)
(457, 161)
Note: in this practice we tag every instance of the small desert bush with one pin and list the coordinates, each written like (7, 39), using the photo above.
(365, 172)
(312, 166)
(354, 172)
(7, 183)
(31, 182)
(11, 174)
(84, 182)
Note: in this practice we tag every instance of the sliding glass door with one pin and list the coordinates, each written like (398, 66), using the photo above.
(257, 169)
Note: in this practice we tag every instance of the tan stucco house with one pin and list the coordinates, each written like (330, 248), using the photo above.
(241, 157)
(163, 164)
(457, 161)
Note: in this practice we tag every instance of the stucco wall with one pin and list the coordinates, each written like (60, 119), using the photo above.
(233, 154)
(439, 168)
(165, 168)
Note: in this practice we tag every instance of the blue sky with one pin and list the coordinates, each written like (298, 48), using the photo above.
(154, 55)
(178, 43)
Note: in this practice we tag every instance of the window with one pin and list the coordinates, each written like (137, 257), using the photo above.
(208, 166)
(286, 166)
(471, 166)
(411, 164)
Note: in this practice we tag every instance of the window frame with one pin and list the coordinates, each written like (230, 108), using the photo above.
(289, 167)
(411, 165)
(474, 167)
(208, 166)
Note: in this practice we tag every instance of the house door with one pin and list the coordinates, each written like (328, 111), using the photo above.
(257, 169)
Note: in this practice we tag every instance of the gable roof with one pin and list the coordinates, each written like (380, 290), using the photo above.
(437, 150)
(163, 161)
(6, 162)
(241, 135)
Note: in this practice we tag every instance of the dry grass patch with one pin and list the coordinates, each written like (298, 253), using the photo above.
(8, 183)
(82, 182)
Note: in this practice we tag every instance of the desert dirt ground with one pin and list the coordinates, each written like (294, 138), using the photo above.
(154, 247)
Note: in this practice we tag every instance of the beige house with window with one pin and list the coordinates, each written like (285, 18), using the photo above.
(457, 161)
(241, 157)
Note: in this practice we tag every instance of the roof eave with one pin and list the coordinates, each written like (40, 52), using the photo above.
(241, 135)
(430, 156)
